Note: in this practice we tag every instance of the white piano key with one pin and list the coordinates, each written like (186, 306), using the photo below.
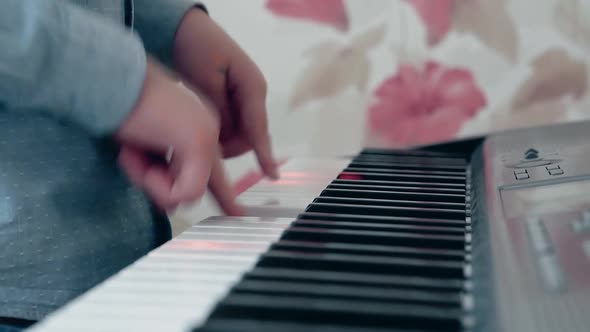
(301, 181)
(135, 293)
(149, 318)
(224, 236)
(177, 285)
(183, 251)
(166, 308)
(203, 245)
(235, 231)
(219, 221)
(182, 266)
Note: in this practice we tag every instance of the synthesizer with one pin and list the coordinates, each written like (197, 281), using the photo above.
(488, 234)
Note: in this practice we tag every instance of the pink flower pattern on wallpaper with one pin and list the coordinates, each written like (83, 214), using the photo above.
(329, 12)
(436, 16)
(424, 104)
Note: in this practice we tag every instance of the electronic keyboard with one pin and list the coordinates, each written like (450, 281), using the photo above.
(487, 234)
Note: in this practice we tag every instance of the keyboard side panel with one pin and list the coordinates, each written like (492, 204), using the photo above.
(538, 199)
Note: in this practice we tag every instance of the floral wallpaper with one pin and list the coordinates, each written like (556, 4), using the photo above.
(424, 103)
(474, 66)
(344, 74)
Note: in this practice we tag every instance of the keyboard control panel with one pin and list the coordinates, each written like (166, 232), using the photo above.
(539, 223)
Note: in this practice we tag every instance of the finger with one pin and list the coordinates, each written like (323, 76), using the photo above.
(191, 177)
(222, 191)
(262, 148)
(210, 85)
(236, 146)
(134, 165)
(157, 184)
(153, 178)
(250, 88)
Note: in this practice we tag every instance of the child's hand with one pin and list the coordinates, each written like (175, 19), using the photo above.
(210, 60)
(167, 118)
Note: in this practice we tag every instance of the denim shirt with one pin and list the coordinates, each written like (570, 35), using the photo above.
(70, 73)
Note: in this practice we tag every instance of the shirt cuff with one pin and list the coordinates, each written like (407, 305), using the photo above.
(157, 21)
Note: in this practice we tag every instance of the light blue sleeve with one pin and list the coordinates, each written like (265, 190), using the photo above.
(72, 63)
(156, 22)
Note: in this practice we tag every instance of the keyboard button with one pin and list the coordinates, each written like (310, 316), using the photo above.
(538, 237)
(552, 274)
(582, 225)
(521, 175)
(556, 172)
(586, 247)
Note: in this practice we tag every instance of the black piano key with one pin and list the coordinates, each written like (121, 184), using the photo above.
(389, 202)
(386, 211)
(340, 313)
(411, 162)
(407, 185)
(362, 263)
(401, 177)
(447, 189)
(421, 153)
(385, 246)
(454, 223)
(245, 325)
(420, 160)
(447, 285)
(352, 192)
(367, 226)
(405, 166)
(370, 250)
(348, 293)
(353, 169)
(327, 235)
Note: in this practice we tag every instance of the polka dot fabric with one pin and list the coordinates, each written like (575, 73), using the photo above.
(68, 216)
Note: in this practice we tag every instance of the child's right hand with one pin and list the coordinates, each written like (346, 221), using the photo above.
(168, 117)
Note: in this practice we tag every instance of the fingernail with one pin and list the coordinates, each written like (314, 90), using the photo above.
(274, 174)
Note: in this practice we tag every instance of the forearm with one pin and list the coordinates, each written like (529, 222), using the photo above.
(157, 22)
(72, 63)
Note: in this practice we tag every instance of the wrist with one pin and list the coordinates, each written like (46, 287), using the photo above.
(194, 19)
(157, 23)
